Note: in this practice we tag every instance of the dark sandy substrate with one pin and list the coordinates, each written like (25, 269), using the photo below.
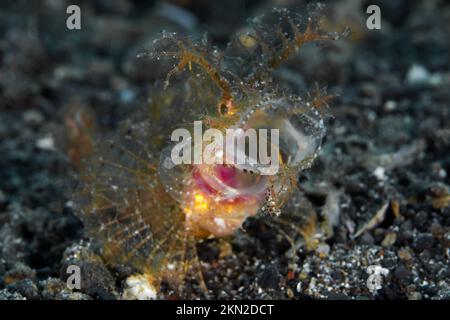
(386, 152)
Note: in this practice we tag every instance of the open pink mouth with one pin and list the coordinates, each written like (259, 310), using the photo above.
(225, 184)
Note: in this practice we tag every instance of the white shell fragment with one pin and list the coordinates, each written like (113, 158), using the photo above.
(137, 287)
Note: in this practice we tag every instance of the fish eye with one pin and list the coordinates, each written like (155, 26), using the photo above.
(223, 109)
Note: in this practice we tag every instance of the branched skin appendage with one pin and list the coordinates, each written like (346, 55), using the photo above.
(290, 46)
(187, 56)
(148, 213)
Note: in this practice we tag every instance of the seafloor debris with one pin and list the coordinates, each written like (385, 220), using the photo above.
(374, 221)
(149, 213)
(138, 287)
(440, 196)
(404, 156)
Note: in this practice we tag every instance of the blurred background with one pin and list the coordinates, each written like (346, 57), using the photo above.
(383, 173)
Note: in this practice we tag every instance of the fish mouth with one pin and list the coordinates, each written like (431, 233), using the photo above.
(229, 182)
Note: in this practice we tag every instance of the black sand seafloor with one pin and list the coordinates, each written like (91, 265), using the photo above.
(382, 176)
